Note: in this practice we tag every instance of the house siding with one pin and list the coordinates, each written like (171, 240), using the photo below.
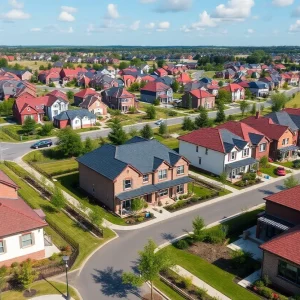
(282, 212)
(259, 154)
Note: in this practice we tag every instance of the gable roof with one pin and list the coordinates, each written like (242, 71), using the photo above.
(4, 179)
(292, 111)
(201, 94)
(142, 155)
(155, 86)
(232, 87)
(118, 92)
(283, 118)
(258, 85)
(85, 92)
(75, 113)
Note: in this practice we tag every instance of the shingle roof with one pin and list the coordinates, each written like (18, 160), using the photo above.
(232, 87)
(85, 92)
(285, 245)
(6, 180)
(258, 85)
(282, 118)
(145, 156)
(201, 94)
(76, 113)
(155, 86)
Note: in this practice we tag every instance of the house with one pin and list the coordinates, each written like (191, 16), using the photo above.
(279, 229)
(77, 118)
(103, 82)
(237, 92)
(81, 95)
(184, 78)
(217, 150)
(67, 75)
(213, 89)
(260, 143)
(115, 175)
(269, 81)
(259, 88)
(22, 228)
(94, 104)
(119, 98)
(161, 72)
(198, 98)
(49, 76)
(283, 139)
(156, 90)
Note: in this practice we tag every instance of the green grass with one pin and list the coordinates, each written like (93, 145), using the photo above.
(209, 74)
(42, 287)
(287, 164)
(87, 242)
(295, 102)
(269, 170)
(64, 166)
(198, 190)
(5, 138)
(170, 142)
(167, 290)
(177, 95)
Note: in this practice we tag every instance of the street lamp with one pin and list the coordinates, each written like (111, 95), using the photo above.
(66, 259)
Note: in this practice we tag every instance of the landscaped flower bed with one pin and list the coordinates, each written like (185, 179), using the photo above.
(139, 218)
(248, 179)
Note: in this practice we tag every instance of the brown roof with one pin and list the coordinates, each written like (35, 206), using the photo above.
(155, 86)
(85, 92)
(285, 245)
(288, 198)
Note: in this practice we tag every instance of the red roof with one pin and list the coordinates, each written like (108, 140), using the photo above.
(199, 94)
(155, 86)
(240, 129)
(58, 94)
(85, 92)
(232, 87)
(184, 78)
(4, 179)
(244, 84)
(148, 78)
(288, 198)
(213, 86)
(162, 72)
(280, 66)
(266, 126)
(285, 245)
(205, 137)
(292, 111)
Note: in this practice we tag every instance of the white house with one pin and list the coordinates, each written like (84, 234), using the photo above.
(55, 106)
(216, 151)
(237, 91)
(21, 230)
(259, 88)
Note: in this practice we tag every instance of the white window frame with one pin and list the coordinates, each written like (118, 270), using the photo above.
(180, 189)
(180, 170)
(162, 174)
(233, 153)
(163, 192)
(246, 152)
(145, 176)
(264, 146)
(31, 240)
(125, 183)
(2, 246)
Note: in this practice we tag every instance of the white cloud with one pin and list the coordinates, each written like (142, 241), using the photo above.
(295, 27)
(174, 5)
(36, 29)
(296, 12)
(69, 9)
(66, 17)
(250, 31)
(204, 21)
(234, 9)
(147, 1)
(185, 28)
(112, 11)
(16, 4)
(163, 26)
(15, 14)
(150, 25)
(283, 2)
(135, 25)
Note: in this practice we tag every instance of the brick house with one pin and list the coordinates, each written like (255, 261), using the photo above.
(81, 95)
(279, 228)
(115, 175)
(21, 231)
(259, 142)
(199, 98)
(161, 72)
(237, 92)
(156, 90)
(119, 98)
(94, 104)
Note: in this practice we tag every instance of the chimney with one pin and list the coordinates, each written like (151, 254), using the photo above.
(257, 115)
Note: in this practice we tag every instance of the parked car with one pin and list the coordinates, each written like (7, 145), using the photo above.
(280, 171)
(159, 122)
(42, 144)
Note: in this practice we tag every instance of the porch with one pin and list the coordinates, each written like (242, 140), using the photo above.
(288, 153)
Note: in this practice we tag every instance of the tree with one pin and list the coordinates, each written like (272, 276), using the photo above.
(143, 84)
(70, 96)
(202, 120)
(133, 132)
(29, 125)
(198, 225)
(224, 96)
(147, 132)
(117, 135)
(123, 65)
(263, 162)
(188, 124)
(160, 63)
(175, 86)
(291, 182)
(27, 275)
(41, 68)
(244, 106)
(253, 109)
(156, 102)
(285, 86)
(220, 113)
(150, 264)
(95, 216)
(89, 146)
(58, 199)
(137, 204)
(189, 101)
(3, 63)
(248, 94)
(278, 101)
(55, 58)
(221, 83)
(69, 142)
(163, 128)
(3, 273)
(151, 112)
(223, 178)
(49, 66)
(46, 129)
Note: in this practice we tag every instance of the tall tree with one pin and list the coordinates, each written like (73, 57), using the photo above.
(29, 125)
(202, 120)
(163, 128)
(244, 106)
(69, 142)
(253, 109)
(26, 275)
(3, 63)
(149, 265)
(117, 135)
(70, 96)
(58, 199)
(278, 101)
(147, 132)
(89, 146)
(221, 117)
(175, 86)
(189, 101)
(188, 124)
(137, 204)
(151, 112)
(224, 96)
(95, 216)
(160, 63)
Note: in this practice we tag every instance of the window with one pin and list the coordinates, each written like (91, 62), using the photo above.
(197, 149)
(285, 141)
(206, 151)
(76, 122)
(162, 174)
(145, 178)
(180, 189)
(163, 193)
(233, 155)
(180, 170)
(26, 240)
(246, 152)
(2, 247)
(289, 272)
(127, 184)
(263, 147)
(199, 160)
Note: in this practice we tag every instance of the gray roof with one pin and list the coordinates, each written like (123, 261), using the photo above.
(258, 85)
(255, 138)
(76, 113)
(230, 140)
(283, 118)
(145, 156)
(242, 163)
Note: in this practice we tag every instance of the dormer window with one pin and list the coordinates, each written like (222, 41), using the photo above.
(162, 174)
(180, 170)
(127, 184)
(233, 155)
(145, 178)
(246, 152)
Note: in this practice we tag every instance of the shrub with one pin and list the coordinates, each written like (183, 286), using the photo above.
(140, 219)
(201, 293)
(194, 199)
(14, 264)
(182, 244)
(160, 203)
(259, 283)
(249, 176)
(187, 282)
(296, 163)
(267, 281)
(45, 118)
(263, 162)
(54, 256)
(146, 205)
(215, 235)
(172, 113)
(240, 257)
(156, 102)
(266, 292)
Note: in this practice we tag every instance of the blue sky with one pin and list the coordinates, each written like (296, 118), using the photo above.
(150, 22)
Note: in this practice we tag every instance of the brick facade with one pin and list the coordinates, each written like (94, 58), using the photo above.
(33, 256)
(282, 212)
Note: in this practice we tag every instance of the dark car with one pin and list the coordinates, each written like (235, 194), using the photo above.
(42, 144)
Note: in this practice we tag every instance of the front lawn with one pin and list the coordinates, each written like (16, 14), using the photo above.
(87, 242)
(43, 287)
(294, 102)
(269, 170)
(170, 142)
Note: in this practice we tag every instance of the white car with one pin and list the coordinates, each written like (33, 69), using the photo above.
(159, 122)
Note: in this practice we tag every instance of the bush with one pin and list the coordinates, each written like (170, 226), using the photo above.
(160, 203)
(259, 283)
(140, 219)
(201, 293)
(156, 102)
(172, 113)
(296, 163)
(46, 118)
(267, 280)
(187, 282)
(182, 244)
(54, 256)
(249, 176)
(240, 257)
(215, 235)
(14, 264)
(266, 292)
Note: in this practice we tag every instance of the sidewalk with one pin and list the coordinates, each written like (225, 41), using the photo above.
(200, 283)
(50, 297)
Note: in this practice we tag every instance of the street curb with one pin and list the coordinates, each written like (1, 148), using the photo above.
(74, 288)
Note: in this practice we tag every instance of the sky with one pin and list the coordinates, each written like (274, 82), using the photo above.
(150, 22)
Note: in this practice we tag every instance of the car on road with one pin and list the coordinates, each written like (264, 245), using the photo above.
(42, 144)
(280, 171)
(159, 122)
